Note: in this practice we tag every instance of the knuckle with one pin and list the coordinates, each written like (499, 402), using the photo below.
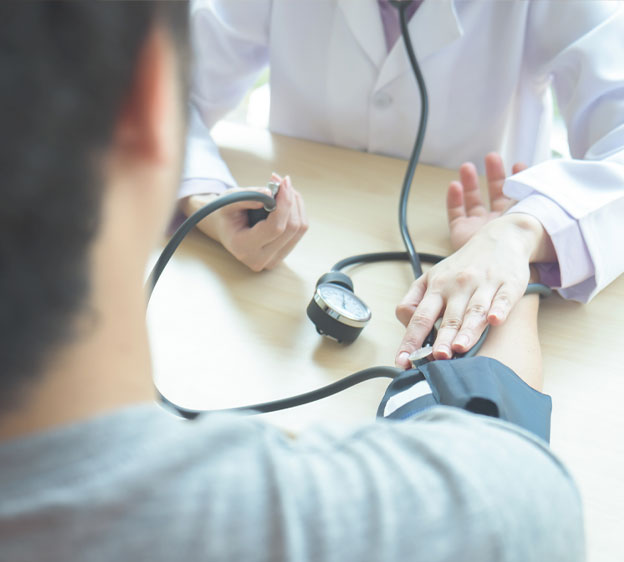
(421, 319)
(255, 265)
(465, 278)
(476, 310)
(493, 273)
(279, 228)
(404, 312)
(452, 323)
(410, 342)
(503, 299)
(437, 283)
(294, 226)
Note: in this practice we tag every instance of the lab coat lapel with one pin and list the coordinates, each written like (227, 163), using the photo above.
(434, 26)
(364, 21)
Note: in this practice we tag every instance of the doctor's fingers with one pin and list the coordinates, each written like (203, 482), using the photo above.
(480, 313)
(301, 229)
(270, 256)
(420, 324)
(452, 320)
(508, 294)
(247, 248)
(269, 241)
(284, 220)
(239, 208)
(406, 308)
(474, 319)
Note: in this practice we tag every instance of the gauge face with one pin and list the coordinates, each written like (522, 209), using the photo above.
(343, 301)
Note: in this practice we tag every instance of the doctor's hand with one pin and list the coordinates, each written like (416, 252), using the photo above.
(481, 282)
(269, 241)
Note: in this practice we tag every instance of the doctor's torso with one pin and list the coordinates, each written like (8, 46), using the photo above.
(488, 66)
(334, 81)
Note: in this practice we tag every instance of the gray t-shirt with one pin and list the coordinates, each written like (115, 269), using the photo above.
(139, 484)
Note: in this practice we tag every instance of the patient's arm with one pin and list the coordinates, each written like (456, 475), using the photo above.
(515, 343)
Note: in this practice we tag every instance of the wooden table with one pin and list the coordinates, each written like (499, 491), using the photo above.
(224, 336)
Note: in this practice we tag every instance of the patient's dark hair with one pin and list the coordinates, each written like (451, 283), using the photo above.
(65, 67)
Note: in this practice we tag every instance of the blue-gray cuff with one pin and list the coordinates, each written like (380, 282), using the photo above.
(479, 384)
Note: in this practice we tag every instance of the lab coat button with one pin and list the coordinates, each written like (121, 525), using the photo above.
(381, 100)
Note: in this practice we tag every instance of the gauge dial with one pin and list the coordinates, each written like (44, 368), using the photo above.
(344, 302)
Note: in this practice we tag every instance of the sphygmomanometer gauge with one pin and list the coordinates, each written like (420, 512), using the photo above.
(335, 310)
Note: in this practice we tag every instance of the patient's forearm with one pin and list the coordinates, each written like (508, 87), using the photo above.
(515, 343)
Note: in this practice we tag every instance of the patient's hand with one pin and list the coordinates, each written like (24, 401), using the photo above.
(464, 204)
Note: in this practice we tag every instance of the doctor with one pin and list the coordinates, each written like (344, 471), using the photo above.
(340, 75)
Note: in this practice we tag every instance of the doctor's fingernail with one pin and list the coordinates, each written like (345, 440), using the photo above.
(462, 341)
(402, 359)
(443, 350)
(495, 315)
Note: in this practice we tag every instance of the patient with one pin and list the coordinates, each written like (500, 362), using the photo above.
(91, 468)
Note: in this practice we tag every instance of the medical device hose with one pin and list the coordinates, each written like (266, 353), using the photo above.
(281, 404)
(319, 393)
(415, 259)
(196, 217)
(300, 399)
(420, 137)
(410, 254)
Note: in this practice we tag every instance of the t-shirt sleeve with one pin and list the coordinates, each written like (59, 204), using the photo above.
(445, 485)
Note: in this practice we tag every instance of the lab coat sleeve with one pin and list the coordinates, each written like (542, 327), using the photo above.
(579, 45)
(574, 267)
(230, 48)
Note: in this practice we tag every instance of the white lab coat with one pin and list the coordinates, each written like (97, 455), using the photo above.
(487, 65)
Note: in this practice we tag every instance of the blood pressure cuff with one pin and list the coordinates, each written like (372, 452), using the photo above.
(479, 384)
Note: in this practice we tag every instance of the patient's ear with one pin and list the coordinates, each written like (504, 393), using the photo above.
(142, 165)
(149, 113)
